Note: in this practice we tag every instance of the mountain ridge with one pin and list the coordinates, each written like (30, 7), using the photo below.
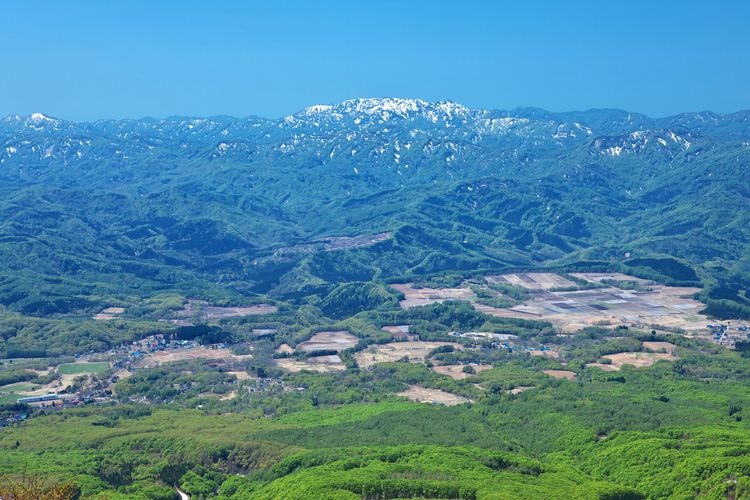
(212, 199)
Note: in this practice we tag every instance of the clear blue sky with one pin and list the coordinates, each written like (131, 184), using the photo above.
(84, 60)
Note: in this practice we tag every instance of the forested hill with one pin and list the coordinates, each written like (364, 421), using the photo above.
(96, 210)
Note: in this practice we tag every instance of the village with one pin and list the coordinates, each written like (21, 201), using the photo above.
(92, 377)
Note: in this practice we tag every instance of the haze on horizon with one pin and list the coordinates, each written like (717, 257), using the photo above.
(81, 61)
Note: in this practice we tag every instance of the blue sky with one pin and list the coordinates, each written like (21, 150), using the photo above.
(85, 60)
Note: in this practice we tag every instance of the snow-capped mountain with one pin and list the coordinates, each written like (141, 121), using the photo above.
(394, 132)
(244, 200)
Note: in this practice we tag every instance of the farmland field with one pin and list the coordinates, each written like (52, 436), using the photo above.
(326, 364)
(415, 297)
(157, 358)
(661, 306)
(329, 341)
(638, 359)
(415, 352)
(433, 396)
(533, 281)
(457, 372)
(82, 367)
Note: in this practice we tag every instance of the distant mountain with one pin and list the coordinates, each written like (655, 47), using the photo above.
(113, 208)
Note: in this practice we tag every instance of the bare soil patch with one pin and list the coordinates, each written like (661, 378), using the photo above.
(155, 359)
(208, 312)
(329, 341)
(415, 297)
(565, 374)
(109, 313)
(241, 375)
(456, 371)
(570, 311)
(546, 354)
(660, 346)
(394, 351)
(311, 364)
(533, 281)
(284, 349)
(434, 396)
(603, 367)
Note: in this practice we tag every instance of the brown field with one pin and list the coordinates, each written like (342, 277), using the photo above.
(456, 371)
(638, 359)
(285, 349)
(570, 311)
(546, 354)
(385, 353)
(434, 396)
(400, 332)
(329, 341)
(532, 281)
(603, 367)
(109, 313)
(311, 364)
(566, 374)
(241, 375)
(208, 312)
(157, 358)
(658, 346)
(425, 296)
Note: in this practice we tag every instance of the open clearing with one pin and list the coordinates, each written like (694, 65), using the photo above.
(207, 312)
(82, 367)
(609, 306)
(109, 313)
(155, 359)
(603, 367)
(565, 374)
(424, 296)
(285, 349)
(241, 375)
(638, 359)
(329, 341)
(434, 396)
(657, 307)
(533, 281)
(660, 346)
(457, 371)
(320, 364)
(394, 351)
(599, 277)
(18, 387)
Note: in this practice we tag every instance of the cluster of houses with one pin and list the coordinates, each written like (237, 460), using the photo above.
(130, 354)
(496, 341)
(723, 336)
(13, 418)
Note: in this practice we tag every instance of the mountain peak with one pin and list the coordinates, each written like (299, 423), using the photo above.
(383, 108)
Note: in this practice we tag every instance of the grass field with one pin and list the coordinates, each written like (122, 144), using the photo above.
(15, 391)
(78, 368)
(9, 398)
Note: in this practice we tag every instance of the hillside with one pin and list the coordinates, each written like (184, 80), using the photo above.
(94, 212)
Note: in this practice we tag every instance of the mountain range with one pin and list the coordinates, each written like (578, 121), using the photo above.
(385, 189)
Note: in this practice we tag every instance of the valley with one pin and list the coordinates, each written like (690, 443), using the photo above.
(379, 298)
